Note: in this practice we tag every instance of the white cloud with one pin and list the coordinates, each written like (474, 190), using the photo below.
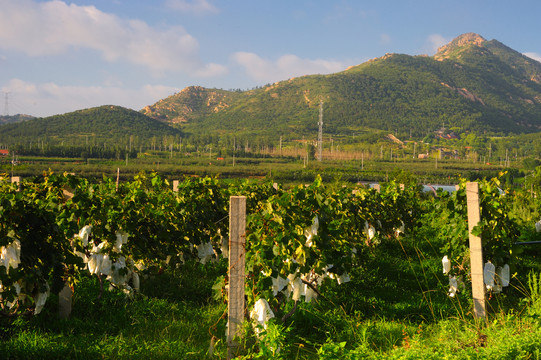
(211, 70)
(54, 28)
(198, 7)
(45, 99)
(285, 67)
(385, 38)
(533, 55)
(435, 41)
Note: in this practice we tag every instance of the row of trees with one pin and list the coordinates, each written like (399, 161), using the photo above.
(83, 152)
(469, 147)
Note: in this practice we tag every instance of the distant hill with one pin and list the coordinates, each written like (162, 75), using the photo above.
(6, 119)
(471, 84)
(109, 125)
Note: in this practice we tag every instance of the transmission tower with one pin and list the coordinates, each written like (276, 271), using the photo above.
(320, 133)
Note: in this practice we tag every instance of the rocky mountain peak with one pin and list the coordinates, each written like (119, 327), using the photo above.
(468, 39)
(463, 41)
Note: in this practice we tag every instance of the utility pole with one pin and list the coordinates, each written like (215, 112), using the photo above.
(320, 133)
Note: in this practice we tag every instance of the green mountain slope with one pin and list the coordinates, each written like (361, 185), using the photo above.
(111, 125)
(471, 84)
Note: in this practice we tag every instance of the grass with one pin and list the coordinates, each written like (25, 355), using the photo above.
(164, 325)
(143, 329)
(395, 307)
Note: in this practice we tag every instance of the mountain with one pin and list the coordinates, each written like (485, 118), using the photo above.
(111, 125)
(470, 84)
(192, 103)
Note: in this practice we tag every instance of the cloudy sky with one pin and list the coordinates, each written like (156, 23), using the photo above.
(60, 56)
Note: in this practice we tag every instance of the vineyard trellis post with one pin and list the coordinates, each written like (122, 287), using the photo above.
(17, 180)
(237, 240)
(117, 178)
(476, 250)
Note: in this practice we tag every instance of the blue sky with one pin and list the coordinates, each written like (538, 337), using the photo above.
(60, 56)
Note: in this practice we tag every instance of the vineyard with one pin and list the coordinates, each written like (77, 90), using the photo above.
(139, 269)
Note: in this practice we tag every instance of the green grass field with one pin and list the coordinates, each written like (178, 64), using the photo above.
(395, 307)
